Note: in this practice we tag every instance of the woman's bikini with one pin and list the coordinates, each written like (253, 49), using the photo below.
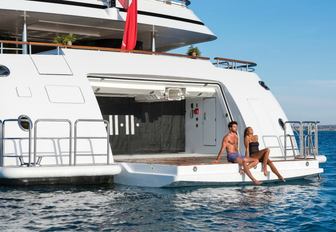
(253, 147)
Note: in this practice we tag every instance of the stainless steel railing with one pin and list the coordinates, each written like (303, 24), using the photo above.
(76, 138)
(33, 158)
(307, 138)
(184, 3)
(1, 145)
(234, 64)
(38, 122)
(4, 138)
(279, 146)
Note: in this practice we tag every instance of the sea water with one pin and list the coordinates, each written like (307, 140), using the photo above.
(299, 205)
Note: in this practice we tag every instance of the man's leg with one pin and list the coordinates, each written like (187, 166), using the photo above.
(242, 162)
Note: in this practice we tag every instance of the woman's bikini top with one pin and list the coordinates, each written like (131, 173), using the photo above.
(253, 147)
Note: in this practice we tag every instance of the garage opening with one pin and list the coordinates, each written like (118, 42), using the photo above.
(144, 127)
(161, 117)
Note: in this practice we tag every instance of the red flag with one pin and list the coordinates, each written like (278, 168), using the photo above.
(131, 27)
(124, 3)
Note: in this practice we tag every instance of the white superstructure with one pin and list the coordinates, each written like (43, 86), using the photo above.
(67, 109)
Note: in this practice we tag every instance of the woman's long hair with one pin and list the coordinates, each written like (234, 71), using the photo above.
(245, 131)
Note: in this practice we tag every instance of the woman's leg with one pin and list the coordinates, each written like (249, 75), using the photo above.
(243, 162)
(252, 162)
(265, 157)
(275, 170)
(262, 155)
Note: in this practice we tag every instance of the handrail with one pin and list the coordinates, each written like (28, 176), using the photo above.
(287, 135)
(235, 64)
(307, 131)
(35, 138)
(3, 138)
(278, 140)
(312, 132)
(176, 2)
(1, 145)
(30, 44)
(234, 60)
(52, 121)
(107, 123)
(228, 63)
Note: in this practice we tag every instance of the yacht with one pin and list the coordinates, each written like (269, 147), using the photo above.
(90, 112)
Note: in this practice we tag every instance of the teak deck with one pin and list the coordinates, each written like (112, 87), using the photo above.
(183, 161)
(179, 161)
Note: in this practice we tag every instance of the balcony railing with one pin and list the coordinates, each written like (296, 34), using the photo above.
(242, 65)
(176, 2)
(19, 48)
(31, 48)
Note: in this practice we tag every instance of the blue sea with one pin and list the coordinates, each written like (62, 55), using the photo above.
(293, 206)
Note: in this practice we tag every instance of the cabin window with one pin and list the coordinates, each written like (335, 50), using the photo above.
(4, 71)
(281, 123)
(264, 85)
(25, 122)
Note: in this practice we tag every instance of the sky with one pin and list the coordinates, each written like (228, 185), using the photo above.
(292, 41)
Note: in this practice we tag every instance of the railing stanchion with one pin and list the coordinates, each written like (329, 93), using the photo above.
(29, 144)
(107, 124)
(316, 141)
(285, 141)
(1, 146)
(35, 141)
(301, 140)
(75, 144)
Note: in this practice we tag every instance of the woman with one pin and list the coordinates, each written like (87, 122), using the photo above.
(252, 150)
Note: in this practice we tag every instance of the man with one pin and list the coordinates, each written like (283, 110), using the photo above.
(230, 143)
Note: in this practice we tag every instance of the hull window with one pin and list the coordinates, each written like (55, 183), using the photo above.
(263, 84)
(4, 71)
(25, 123)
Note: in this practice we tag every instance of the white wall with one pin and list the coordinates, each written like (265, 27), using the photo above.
(26, 91)
(196, 133)
(47, 96)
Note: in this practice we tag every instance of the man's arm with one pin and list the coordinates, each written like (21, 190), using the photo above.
(223, 147)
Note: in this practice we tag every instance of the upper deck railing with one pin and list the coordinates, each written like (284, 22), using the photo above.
(176, 2)
(183, 3)
(17, 47)
(235, 64)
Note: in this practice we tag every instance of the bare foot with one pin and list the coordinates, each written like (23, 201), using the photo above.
(282, 179)
(265, 172)
(257, 182)
(215, 162)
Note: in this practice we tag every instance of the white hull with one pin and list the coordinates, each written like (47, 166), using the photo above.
(65, 174)
(156, 175)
